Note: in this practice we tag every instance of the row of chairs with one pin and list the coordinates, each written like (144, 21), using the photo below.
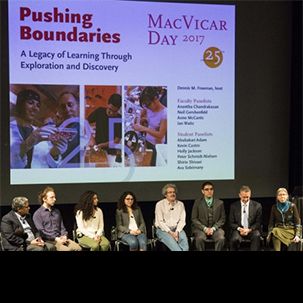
(155, 244)
(118, 244)
(122, 245)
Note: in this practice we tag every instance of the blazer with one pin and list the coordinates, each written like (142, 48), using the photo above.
(254, 216)
(122, 221)
(12, 231)
(199, 215)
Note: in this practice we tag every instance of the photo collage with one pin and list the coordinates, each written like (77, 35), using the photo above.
(72, 126)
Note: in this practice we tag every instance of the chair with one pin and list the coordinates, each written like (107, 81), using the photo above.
(245, 243)
(156, 243)
(292, 247)
(122, 245)
(75, 238)
(209, 243)
(1, 243)
(118, 243)
(20, 233)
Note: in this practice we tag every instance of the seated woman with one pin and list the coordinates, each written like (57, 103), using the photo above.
(130, 223)
(284, 222)
(90, 223)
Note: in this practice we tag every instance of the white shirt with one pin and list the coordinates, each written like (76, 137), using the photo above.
(27, 228)
(132, 223)
(244, 214)
(170, 216)
(92, 227)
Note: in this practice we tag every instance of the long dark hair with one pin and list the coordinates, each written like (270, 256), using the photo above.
(149, 94)
(121, 204)
(22, 97)
(86, 205)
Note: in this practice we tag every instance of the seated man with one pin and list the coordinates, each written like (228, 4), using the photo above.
(245, 220)
(48, 221)
(170, 220)
(208, 218)
(18, 230)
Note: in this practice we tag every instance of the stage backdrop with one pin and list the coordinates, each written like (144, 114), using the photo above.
(218, 73)
(185, 53)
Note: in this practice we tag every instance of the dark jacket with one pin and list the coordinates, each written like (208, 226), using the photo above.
(199, 215)
(291, 219)
(122, 221)
(254, 218)
(13, 232)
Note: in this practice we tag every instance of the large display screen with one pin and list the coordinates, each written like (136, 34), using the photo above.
(118, 91)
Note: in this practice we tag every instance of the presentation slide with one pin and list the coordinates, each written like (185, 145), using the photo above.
(121, 91)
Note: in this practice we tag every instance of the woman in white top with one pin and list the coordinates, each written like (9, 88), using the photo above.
(89, 218)
(130, 223)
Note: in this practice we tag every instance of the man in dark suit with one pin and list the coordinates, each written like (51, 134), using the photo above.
(245, 220)
(18, 230)
(208, 218)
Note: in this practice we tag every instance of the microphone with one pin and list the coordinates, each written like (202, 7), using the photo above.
(171, 208)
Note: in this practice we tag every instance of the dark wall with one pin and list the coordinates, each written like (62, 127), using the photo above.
(296, 112)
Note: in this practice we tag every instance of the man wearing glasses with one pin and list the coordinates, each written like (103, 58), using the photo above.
(208, 218)
(170, 220)
(18, 230)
